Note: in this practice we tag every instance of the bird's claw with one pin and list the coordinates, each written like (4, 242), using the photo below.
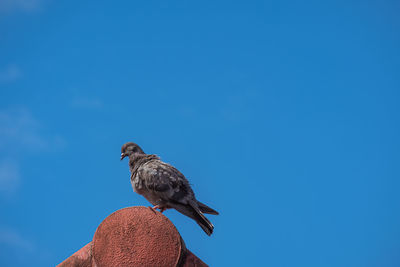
(162, 209)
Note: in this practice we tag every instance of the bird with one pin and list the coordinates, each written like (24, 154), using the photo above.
(164, 186)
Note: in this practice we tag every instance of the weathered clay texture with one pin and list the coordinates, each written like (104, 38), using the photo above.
(135, 236)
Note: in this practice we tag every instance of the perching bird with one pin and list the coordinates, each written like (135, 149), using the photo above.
(164, 186)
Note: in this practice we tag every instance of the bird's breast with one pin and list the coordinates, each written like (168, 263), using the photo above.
(136, 184)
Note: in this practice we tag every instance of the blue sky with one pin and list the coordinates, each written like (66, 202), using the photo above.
(284, 115)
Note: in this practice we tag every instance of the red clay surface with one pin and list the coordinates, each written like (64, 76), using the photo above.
(136, 236)
(82, 258)
(192, 261)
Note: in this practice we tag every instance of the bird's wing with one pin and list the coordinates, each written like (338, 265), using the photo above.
(166, 182)
(170, 185)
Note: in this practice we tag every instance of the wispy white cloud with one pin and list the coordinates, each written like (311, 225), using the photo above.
(12, 238)
(86, 103)
(24, 5)
(19, 127)
(22, 250)
(10, 73)
(18, 130)
(238, 106)
(21, 131)
(9, 177)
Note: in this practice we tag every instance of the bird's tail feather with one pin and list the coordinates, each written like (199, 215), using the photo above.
(193, 211)
(206, 209)
(201, 220)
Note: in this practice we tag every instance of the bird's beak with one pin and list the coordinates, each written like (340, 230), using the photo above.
(123, 155)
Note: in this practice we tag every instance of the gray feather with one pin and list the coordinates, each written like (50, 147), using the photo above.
(163, 185)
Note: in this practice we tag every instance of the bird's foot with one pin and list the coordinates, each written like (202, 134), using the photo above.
(162, 209)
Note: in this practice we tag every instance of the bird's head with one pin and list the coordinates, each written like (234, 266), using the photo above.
(129, 149)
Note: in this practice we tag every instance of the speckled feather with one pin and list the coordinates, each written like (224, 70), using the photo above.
(163, 185)
(165, 181)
